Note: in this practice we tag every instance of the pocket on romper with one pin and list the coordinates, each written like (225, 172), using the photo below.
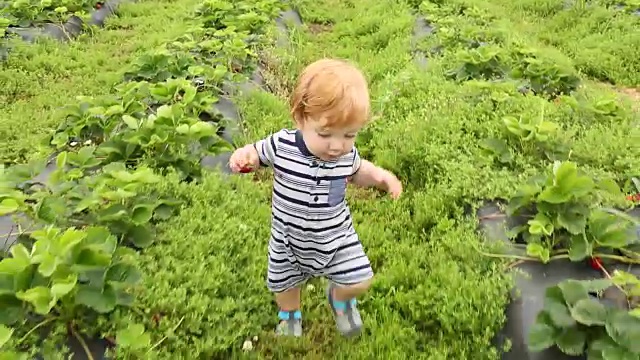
(337, 191)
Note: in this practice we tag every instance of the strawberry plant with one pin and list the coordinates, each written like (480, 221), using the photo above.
(63, 274)
(562, 210)
(114, 197)
(239, 16)
(485, 62)
(164, 64)
(545, 76)
(579, 323)
(532, 136)
(6, 354)
(153, 124)
(25, 13)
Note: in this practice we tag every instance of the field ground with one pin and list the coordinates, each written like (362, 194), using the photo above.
(202, 294)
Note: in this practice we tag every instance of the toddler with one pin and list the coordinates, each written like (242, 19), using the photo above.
(312, 233)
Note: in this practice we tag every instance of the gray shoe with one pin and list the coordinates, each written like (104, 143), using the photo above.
(290, 323)
(348, 321)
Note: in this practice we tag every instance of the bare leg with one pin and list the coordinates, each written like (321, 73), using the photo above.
(344, 293)
(289, 300)
(343, 304)
(289, 312)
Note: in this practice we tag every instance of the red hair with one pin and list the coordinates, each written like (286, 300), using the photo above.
(332, 91)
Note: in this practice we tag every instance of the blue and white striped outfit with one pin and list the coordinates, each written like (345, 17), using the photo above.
(312, 233)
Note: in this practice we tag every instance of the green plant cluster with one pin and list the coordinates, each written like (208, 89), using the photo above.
(80, 216)
(482, 48)
(563, 211)
(25, 13)
(599, 36)
(577, 322)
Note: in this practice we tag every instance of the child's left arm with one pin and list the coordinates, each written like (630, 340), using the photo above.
(368, 175)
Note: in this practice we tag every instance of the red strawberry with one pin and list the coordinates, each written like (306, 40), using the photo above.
(596, 263)
(246, 169)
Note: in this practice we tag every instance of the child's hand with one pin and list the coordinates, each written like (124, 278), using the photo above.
(244, 160)
(391, 183)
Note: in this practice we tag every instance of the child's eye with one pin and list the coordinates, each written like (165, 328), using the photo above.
(324, 135)
(350, 136)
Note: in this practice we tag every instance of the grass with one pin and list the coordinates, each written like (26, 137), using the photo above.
(37, 80)
(429, 299)
(203, 291)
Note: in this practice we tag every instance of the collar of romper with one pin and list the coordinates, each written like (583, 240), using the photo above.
(302, 146)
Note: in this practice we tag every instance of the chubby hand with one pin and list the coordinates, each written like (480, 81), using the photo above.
(244, 160)
(391, 184)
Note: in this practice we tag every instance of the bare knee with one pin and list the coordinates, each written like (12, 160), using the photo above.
(362, 286)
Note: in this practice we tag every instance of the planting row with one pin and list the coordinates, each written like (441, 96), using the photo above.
(30, 19)
(71, 222)
(545, 53)
(577, 254)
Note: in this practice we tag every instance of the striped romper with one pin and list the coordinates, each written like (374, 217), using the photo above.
(312, 233)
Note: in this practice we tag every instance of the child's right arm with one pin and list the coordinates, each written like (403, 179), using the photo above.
(251, 156)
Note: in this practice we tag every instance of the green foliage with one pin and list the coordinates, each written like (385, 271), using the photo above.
(563, 210)
(24, 13)
(579, 323)
(157, 125)
(64, 269)
(114, 196)
(483, 63)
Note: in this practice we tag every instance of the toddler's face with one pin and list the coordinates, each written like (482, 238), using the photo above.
(328, 143)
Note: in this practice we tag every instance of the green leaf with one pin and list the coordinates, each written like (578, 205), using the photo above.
(40, 297)
(19, 251)
(183, 129)
(618, 353)
(146, 175)
(12, 355)
(609, 230)
(624, 329)
(635, 312)
(554, 305)
(61, 160)
(202, 128)
(13, 310)
(62, 287)
(572, 341)
(589, 312)
(538, 251)
(542, 334)
(51, 209)
(610, 186)
(113, 212)
(567, 184)
(91, 259)
(131, 122)
(573, 291)
(99, 238)
(597, 285)
(165, 111)
(140, 236)
(574, 218)
(142, 214)
(114, 110)
(540, 225)
(133, 337)
(48, 264)
(69, 239)
(5, 335)
(579, 248)
(13, 266)
(100, 300)
(123, 273)
(8, 206)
